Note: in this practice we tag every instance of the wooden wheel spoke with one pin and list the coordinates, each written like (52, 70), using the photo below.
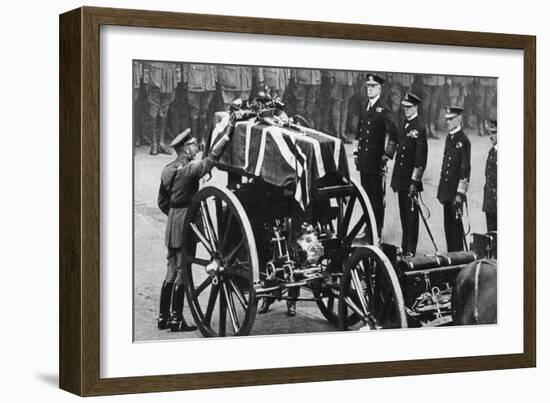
(211, 303)
(330, 303)
(209, 227)
(233, 254)
(347, 216)
(238, 293)
(239, 269)
(356, 228)
(196, 260)
(368, 282)
(354, 307)
(231, 309)
(219, 216)
(223, 313)
(226, 232)
(209, 248)
(359, 290)
(202, 287)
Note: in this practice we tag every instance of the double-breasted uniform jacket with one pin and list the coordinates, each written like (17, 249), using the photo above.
(377, 135)
(200, 77)
(455, 168)
(179, 183)
(411, 156)
(490, 189)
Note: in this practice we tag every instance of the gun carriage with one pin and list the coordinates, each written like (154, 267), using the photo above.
(291, 217)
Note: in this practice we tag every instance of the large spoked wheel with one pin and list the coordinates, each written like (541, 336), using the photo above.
(353, 223)
(370, 292)
(220, 264)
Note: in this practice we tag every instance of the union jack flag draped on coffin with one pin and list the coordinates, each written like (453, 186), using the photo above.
(282, 156)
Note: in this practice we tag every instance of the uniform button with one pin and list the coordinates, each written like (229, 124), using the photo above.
(446, 172)
(360, 130)
(368, 122)
(403, 147)
(401, 164)
(446, 180)
(368, 132)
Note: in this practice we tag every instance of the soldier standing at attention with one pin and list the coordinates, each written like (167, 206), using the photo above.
(490, 189)
(201, 86)
(455, 176)
(376, 137)
(410, 163)
(179, 183)
(341, 91)
(236, 82)
(307, 83)
(276, 79)
(432, 85)
(162, 82)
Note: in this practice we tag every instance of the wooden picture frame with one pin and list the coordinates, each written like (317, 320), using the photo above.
(80, 199)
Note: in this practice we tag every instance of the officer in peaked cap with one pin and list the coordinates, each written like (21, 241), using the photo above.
(376, 138)
(179, 183)
(490, 188)
(410, 163)
(454, 180)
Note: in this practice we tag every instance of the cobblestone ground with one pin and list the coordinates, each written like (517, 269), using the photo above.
(150, 253)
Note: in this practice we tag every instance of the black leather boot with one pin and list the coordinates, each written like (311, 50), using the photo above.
(164, 311)
(293, 294)
(266, 303)
(177, 322)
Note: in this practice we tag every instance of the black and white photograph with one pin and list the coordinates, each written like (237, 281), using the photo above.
(274, 200)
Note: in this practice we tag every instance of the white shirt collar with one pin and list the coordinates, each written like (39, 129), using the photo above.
(373, 101)
(495, 147)
(412, 117)
(459, 128)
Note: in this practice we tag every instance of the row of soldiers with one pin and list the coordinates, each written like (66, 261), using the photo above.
(169, 97)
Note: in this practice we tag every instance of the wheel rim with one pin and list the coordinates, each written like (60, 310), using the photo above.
(355, 219)
(220, 264)
(370, 289)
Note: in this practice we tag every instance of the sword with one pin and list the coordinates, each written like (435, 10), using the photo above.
(424, 220)
(459, 217)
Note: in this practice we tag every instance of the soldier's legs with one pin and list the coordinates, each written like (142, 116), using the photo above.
(194, 100)
(300, 92)
(491, 221)
(293, 294)
(311, 100)
(372, 183)
(166, 292)
(480, 106)
(453, 228)
(177, 321)
(346, 96)
(435, 105)
(206, 99)
(404, 207)
(336, 117)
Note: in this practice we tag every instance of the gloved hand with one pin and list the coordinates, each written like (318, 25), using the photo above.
(219, 147)
(413, 189)
(459, 199)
